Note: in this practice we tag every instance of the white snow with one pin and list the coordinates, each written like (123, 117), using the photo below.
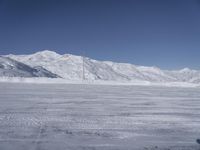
(39, 80)
(98, 117)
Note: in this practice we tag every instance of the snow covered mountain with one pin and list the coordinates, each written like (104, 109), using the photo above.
(71, 67)
(13, 68)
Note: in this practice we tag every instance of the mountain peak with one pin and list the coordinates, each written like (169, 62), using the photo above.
(47, 53)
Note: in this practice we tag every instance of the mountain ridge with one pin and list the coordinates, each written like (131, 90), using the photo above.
(13, 68)
(70, 67)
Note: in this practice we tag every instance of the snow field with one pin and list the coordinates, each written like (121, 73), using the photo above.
(98, 117)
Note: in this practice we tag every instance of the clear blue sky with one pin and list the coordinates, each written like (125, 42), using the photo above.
(163, 33)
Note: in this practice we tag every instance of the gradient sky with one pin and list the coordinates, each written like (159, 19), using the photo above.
(163, 33)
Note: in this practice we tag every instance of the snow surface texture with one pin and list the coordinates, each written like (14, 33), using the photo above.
(70, 67)
(98, 117)
(12, 68)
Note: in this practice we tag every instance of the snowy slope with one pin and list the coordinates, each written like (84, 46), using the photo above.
(185, 75)
(71, 67)
(13, 68)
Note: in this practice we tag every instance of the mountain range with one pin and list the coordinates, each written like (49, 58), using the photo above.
(71, 67)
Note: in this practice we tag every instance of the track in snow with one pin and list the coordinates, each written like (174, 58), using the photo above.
(98, 117)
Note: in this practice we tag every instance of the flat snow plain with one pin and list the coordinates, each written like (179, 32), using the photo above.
(98, 117)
